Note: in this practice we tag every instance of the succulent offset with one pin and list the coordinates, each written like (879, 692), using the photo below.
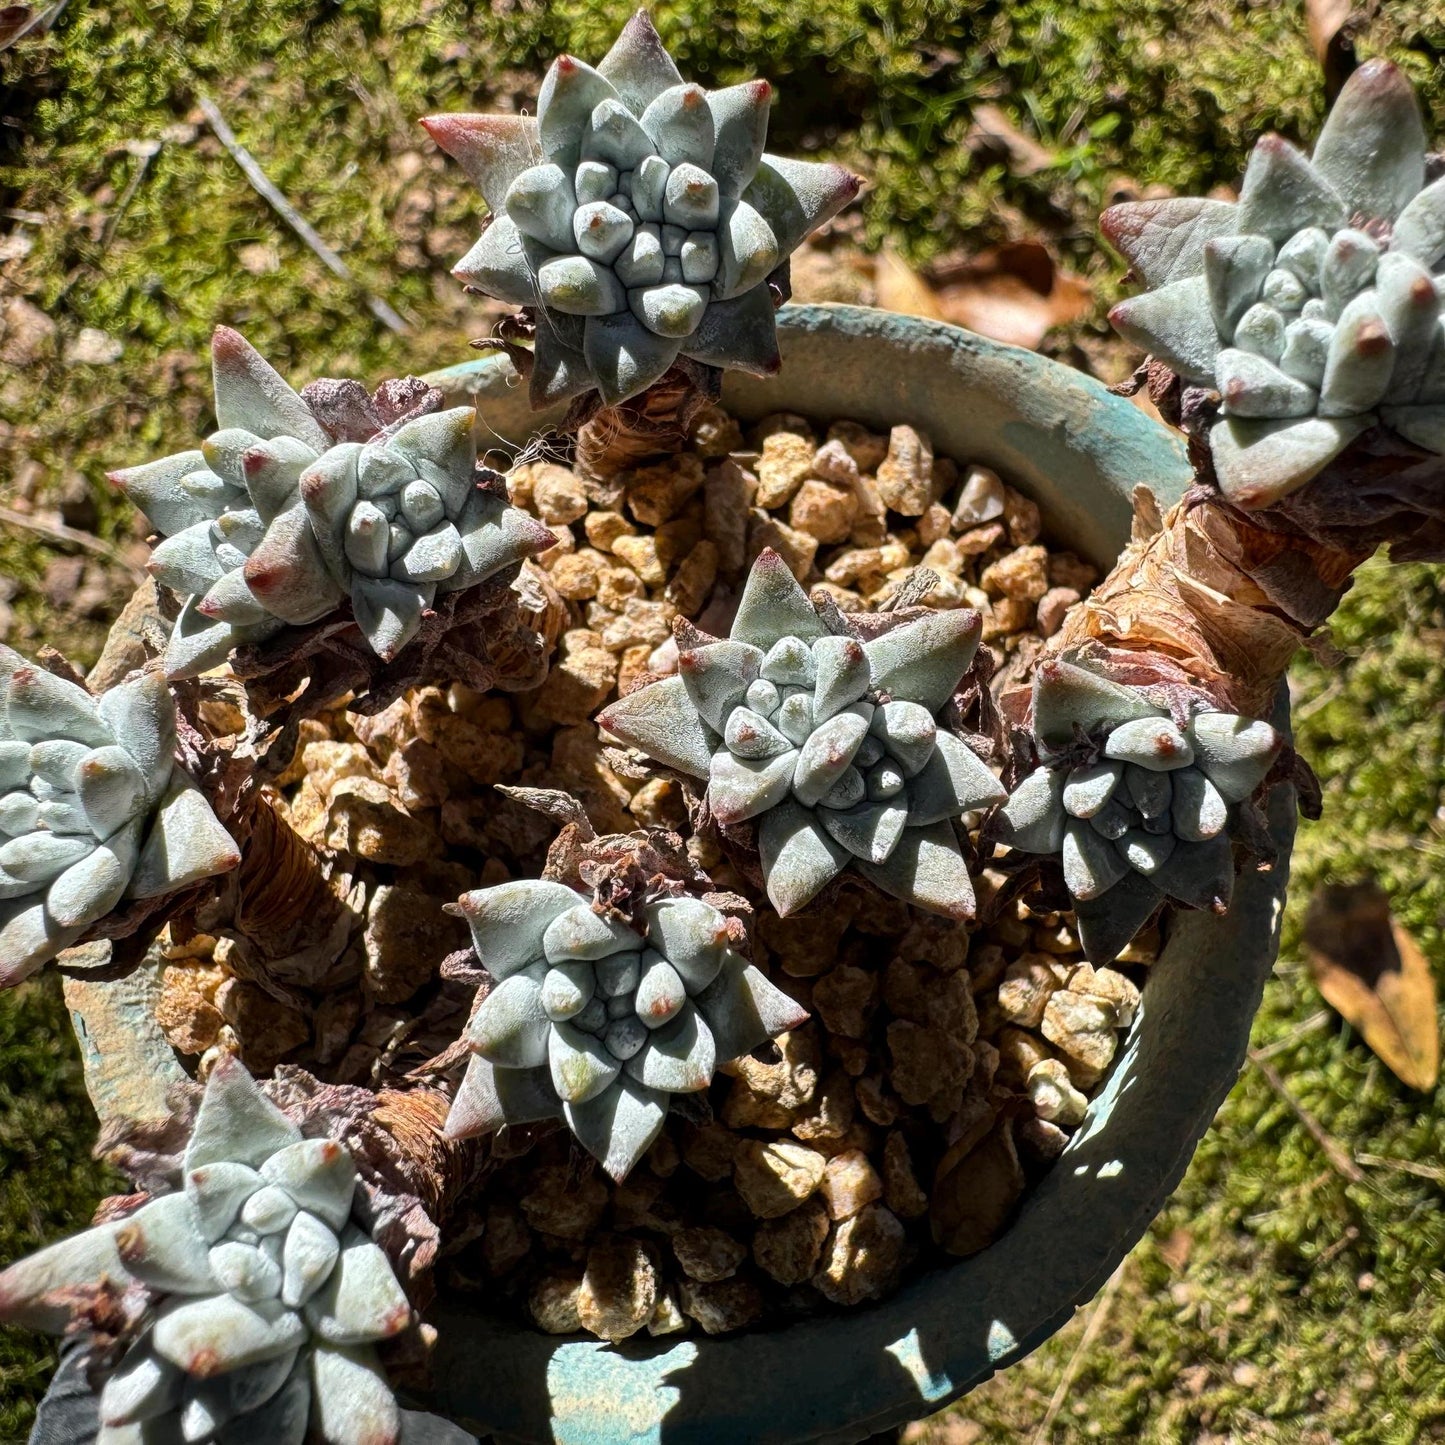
(264, 1293)
(289, 510)
(93, 809)
(1139, 807)
(1311, 304)
(640, 216)
(595, 1023)
(830, 745)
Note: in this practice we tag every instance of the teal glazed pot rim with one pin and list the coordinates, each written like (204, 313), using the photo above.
(837, 1379)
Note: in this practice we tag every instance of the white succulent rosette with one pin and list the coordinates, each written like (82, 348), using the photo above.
(593, 1022)
(1139, 807)
(265, 1294)
(1311, 304)
(94, 809)
(289, 510)
(828, 743)
(641, 217)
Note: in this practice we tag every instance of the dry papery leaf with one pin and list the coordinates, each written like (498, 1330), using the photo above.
(1332, 26)
(1013, 293)
(1374, 974)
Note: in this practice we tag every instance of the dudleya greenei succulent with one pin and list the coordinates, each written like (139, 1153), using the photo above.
(640, 216)
(830, 744)
(1311, 305)
(298, 503)
(591, 1021)
(1139, 805)
(93, 809)
(258, 1292)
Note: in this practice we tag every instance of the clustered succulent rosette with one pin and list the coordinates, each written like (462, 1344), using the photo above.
(93, 809)
(262, 1295)
(1139, 805)
(298, 503)
(828, 743)
(593, 1022)
(640, 216)
(1311, 304)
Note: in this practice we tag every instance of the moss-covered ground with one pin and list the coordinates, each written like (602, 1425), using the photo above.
(1272, 1300)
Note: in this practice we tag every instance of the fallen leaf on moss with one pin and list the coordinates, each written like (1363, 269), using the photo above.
(1375, 976)
(900, 288)
(1012, 293)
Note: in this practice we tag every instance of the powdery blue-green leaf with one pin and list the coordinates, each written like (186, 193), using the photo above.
(829, 752)
(925, 660)
(184, 844)
(928, 870)
(717, 676)
(1068, 698)
(490, 1097)
(1284, 193)
(361, 1301)
(216, 1192)
(1258, 462)
(1199, 811)
(798, 856)
(492, 150)
(870, 831)
(236, 1123)
(251, 395)
(35, 1292)
(662, 722)
(141, 1387)
(1174, 323)
(351, 1400)
(743, 788)
(1200, 875)
(1091, 865)
(1107, 924)
(678, 1058)
(319, 1174)
(1372, 147)
(207, 1337)
(1033, 817)
(1149, 743)
(1163, 240)
(618, 1126)
(157, 489)
(510, 1027)
(691, 935)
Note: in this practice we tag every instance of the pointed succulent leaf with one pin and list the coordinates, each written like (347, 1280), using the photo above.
(236, 1123)
(500, 264)
(1283, 193)
(796, 197)
(1067, 697)
(1174, 323)
(1151, 791)
(1258, 462)
(1149, 743)
(829, 752)
(86, 891)
(717, 676)
(351, 1401)
(187, 562)
(156, 488)
(954, 781)
(870, 831)
(210, 1336)
(287, 574)
(927, 869)
(924, 661)
(541, 203)
(216, 1192)
(361, 1301)
(1420, 230)
(245, 1271)
(1091, 865)
(1372, 147)
(570, 93)
(678, 1058)
(691, 935)
(580, 1064)
(1199, 811)
(618, 1126)
(742, 788)
(1164, 240)
(907, 730)
(492, 150)
(1087, 789)
(740, 333)
(185, 843)
(638, 66)
(740, 120)
(37, 1292)
(1200, 875)
(743, 1009)
(40, 706)
(582, 933)
(1107, 924)
(1146, 852)
(508, 921)
(319, 1174)
(141, 1387)
(662, 721)
(251, 394)
(1360, 362)
(799, 857)
(1033, 817)
(389, 611)
(510, 1026)
(490, 1097)
(624, 355)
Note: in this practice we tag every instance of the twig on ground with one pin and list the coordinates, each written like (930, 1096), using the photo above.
(1313, 1024)
(1335, 1152)
(264, 186)
(144, 152)
(71, 536)
(1098, 1318)
(1404, 1166)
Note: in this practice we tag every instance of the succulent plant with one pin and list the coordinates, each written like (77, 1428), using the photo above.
(264, 1294)
(93, 809)
(828, 743)
(640, 216)
(298, 503)
(1311, 304)
(1139, 805)
(598, 1024)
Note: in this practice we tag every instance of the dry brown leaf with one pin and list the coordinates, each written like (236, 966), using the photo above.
(899, 287)
(993, 130)
(1332, 27)
(1012, 293)
(1374, 975)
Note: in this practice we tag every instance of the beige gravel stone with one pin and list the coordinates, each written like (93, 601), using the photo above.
(1068, 570)
(710, 1151)
(1110, 984)
(833, 462)
(770, 1095)
(559, 1203)
(796, 548)
(692, 583)
(824, 510)
(905, 475)
(667, 1317)
(619, 1288)
(786, 460)
(604, 528)
(618, 585)
(849, 1182)
(1005, 616)
(577, 577)
(902, 1192)
(1054, 607)
(640, 621)
(707, 1254)
(640, 553)
(788, 1248)
(927, 1062)
(715, 433)
(407, 935)
(863, 1257)
(506, 1240)
(845, 998)
(731, 1304)
(577, 686)
(363, 819)
(1053, 1093)
(553, 1303)
(867, 448)
(727, 498)
(980, 499)
(776, 1177)
(1027, 985)
(934, 525)
(557, 494)
(1021, 574)
(975, 1194)
(1082, 1027)
(829, 1116)
(633, 665)
(1021, 517)
(659, 803)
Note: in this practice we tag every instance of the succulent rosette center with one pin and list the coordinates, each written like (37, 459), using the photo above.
(1139, 807)
(1311, 305)
(92, 809)
(640, 215)
(829, 742)
(594, 1022)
